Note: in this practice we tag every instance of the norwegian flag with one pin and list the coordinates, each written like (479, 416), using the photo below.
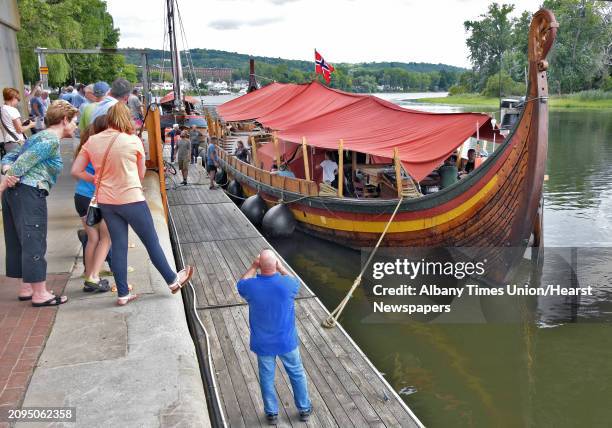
(322, 67)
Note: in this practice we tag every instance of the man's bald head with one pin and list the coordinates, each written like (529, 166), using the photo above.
(267, 262)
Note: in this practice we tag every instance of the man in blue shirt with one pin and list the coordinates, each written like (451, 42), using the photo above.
(66, 94)
(271, 296)
(78, 97)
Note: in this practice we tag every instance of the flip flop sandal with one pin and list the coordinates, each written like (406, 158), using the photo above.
(122, 301)
(24, 298)
(54, 301)
(176, 286)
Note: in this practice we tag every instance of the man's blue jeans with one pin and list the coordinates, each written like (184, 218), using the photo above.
(295, 370)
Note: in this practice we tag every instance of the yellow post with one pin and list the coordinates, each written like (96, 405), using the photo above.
(305, 156)
(340, 168)
(156, 147)
(398, 172)
(276, 151)
(253, 151)
(209, 121)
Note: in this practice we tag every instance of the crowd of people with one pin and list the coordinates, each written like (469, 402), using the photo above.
(107, 116)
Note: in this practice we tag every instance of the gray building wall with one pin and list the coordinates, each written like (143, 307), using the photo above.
(10, 65)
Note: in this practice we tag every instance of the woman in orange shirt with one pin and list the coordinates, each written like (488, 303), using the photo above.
(121, 199)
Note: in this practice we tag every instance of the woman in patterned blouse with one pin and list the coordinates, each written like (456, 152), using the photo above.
(27, 178)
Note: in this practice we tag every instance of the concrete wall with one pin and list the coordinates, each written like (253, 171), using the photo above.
(10, 65)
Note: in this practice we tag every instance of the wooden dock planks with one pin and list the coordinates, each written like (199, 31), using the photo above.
(346, 390)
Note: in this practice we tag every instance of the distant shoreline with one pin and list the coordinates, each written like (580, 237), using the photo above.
(557, 102)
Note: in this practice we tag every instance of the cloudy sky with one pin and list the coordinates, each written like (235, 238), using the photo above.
(342, 30)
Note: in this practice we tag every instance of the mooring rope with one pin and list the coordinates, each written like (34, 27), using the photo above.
(330, 322)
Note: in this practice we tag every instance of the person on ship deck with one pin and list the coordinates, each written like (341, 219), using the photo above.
(330, 170)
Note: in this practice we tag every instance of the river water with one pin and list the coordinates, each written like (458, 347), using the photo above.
(504, 362)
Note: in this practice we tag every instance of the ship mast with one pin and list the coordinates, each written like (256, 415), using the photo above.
(177, 70)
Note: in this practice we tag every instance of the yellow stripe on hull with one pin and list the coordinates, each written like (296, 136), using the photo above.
(397, 226)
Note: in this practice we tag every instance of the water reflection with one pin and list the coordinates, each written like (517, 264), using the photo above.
(491, 361)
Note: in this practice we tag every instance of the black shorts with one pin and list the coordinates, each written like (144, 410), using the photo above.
(24, 214)
(211, 167)
(81, 203)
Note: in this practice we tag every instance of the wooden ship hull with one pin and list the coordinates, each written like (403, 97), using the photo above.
(497, 205)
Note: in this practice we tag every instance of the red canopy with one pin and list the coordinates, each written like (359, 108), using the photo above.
(315, 100)
(259, 102)
(365, 123)
(169, 97)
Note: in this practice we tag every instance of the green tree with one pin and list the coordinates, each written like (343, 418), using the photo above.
(515, 60)
(509, 86)
(70, 24)
(488, 40)
(578, 59)
(39, 19)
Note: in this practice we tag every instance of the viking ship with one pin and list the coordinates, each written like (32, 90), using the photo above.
(499, 204)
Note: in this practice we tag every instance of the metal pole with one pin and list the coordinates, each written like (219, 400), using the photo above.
(42, 65)
(500, 77)
(145, 80)
(176, 58)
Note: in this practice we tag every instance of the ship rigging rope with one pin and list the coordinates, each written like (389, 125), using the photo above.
(188, 56)
(330, 322)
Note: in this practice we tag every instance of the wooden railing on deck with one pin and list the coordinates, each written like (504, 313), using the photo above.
(290, 184)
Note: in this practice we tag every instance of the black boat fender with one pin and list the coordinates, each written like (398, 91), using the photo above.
(234, 190)
(254, 208)
(278, 222)
(221, 178)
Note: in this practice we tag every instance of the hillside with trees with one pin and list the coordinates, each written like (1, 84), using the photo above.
(361, 77)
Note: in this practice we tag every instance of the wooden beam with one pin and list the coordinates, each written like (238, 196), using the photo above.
(354, 165)
(398, 172)
(253, 151)
(276, 151)
(340, 168)
(156, 160)
(305, 156)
